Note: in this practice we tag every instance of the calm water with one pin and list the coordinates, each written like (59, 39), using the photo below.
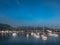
(23, 40)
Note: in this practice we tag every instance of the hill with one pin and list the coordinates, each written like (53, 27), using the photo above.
(5, 27)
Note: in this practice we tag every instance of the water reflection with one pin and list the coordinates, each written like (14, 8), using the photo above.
(28, 38)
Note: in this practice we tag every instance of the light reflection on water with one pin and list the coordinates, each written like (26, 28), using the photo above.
(8, 38)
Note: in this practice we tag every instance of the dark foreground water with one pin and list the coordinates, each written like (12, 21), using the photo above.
(23, 40)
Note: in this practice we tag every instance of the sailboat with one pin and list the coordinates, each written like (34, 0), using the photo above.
(52, 34)
(44, 37)
(36, 34)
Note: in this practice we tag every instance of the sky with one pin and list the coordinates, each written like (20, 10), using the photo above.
(30, 12)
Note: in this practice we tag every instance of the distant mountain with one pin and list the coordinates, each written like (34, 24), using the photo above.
(8, 27)
(32, 28)
(5, 27)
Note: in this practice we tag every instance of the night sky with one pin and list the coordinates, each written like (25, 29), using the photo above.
(30, 12)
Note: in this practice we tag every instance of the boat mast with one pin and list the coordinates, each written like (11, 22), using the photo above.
(43, 28)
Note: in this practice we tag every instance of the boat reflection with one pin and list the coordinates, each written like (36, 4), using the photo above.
(30, 36)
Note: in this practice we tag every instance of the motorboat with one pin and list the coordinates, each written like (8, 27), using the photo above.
(44, 37)
(53, 35)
